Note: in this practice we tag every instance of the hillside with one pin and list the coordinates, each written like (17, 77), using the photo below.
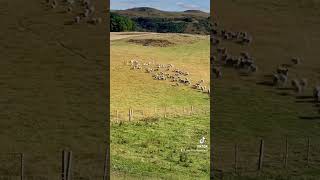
(154, 20)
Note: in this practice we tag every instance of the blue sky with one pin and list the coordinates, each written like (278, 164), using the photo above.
(167, 5)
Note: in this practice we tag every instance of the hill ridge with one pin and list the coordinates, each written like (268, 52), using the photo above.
(154, 20)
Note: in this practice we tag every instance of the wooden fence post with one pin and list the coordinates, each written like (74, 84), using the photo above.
(165, 111)
(22, 166)
(69, 165)
(64, 165)
(308, 152)
(261, 155)
(106, 162)
(130, 114)
(117, 115)
(236, 158)
(286, 154)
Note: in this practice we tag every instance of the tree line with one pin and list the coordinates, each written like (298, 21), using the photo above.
(121, 23)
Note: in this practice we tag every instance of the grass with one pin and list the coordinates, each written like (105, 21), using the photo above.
(50, 96)
(154, 148)
(245, 111)
(151, 147)
(126, 83)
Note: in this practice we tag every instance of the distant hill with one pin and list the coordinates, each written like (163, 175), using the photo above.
(154, 20)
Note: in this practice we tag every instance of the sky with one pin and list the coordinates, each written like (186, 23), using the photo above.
(166, 5)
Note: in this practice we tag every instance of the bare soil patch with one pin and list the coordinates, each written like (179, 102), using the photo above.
(152, 42)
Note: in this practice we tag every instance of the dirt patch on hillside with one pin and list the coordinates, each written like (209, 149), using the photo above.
(152, 42)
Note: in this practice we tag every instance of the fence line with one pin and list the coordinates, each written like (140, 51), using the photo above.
(267, 157)
(65, 173)
(166, 112)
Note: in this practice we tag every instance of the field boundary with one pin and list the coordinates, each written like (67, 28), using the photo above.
(67, 167)
(291, 156)
(132, 114)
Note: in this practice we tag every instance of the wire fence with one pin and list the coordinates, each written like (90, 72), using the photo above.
(131, 114)
(21, 166)
(292, 156)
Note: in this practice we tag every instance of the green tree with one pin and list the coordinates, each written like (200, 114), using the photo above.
(121, 23)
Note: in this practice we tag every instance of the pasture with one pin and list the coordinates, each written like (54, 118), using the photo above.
(150, 147)
(249, 107)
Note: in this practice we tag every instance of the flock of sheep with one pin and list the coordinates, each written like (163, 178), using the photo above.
(163, 72)
(221, 58)
(244, 62)
(87, 13)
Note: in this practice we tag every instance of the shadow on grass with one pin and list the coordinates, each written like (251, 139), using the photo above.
(304, 97)
(286, 65)
(268, 76)
(305, 101)
(309, 117)
(69, 22)
(283, 94)
(265, 83)
(284, 89)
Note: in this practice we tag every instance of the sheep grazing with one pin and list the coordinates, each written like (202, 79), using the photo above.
(86, 2)
(253, 68)
(276, 79)
(245, 55)
(53, 6)
(77, 19)
(200, 82)
(217, 73)
(318, 96)
(202, 88)
(295, 60)
(70, 2)
(303, 83)
(215, 41)
(316, 93)
(69, 9)
(86, 13)
(283, 71)
(92, 21)
(212, 59)
(283, 79)
(231, 61)
(247, 40)
(222, 50)
(296, 86)
(91, 9)
(175, 84)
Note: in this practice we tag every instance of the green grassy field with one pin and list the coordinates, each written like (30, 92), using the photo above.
(246, 111)
(151, 147)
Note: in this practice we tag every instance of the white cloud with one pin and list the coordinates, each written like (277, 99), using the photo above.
(187, 6)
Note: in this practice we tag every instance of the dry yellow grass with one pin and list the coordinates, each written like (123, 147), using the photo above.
(137, 89)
